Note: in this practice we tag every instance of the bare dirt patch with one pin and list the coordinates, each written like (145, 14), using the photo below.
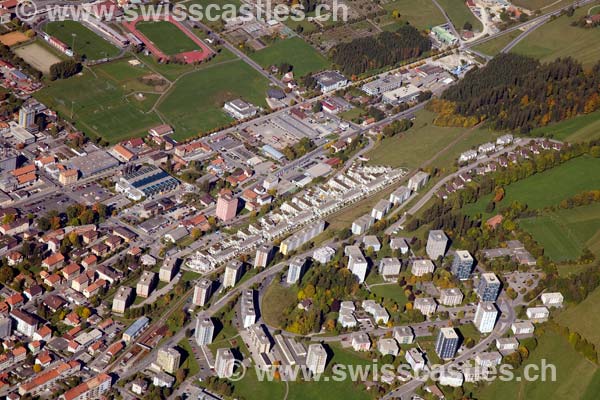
(12, 38)
(37, 56)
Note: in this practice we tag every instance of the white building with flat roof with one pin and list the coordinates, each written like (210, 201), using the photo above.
(418, 181)
(426, 305)
(537, 314)
(451, 297)
(316, 358)
(552, 299)
(422, 267)
(239, 109)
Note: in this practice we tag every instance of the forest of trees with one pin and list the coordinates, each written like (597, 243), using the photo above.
(387, 48)
(516, 92)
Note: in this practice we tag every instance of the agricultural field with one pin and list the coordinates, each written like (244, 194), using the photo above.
(565, 233)
(578, 129)
(576, 377)
(167, 37)
(412, 148)
(584, 318)
(296, 52)
(534, 4)
(459, 13)
(541, 190)
(83, 41)
(494, 46)
(422, 14)
(195, 104)
(559, 39)
(38, 56)
(100, 101)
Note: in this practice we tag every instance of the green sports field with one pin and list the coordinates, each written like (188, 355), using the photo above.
(195, 104)
(565, 233)
(422, 14)
(549, 187)
(100, 101)
(167, 37)
(85, 41)
(296, 52)
(559, 39)
(459, 13)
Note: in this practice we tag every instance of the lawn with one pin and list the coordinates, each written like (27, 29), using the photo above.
(559, 39)
(331, 389)
(85, 42)
(459, 13)
(296, 52)
(251, 389)
(277, 298)
(549, 187)
(565, 233)
(422, 14)
(574, 375)
(195, 104)
(415, 146)
(188, 361)
(494, 46)
(584, 318)
(99, 104)
(391, 291)
(581, 128)
(167, 37)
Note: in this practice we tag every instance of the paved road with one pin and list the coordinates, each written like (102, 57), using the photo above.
(507, 318)
(544, 17)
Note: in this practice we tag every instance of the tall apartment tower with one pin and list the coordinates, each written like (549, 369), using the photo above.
(485, 317)
(168, 359)
(437, 241)
(27, 116)
(205, 330)
(316, 358)
(462, 265)
(226, 206)
(224, 363)
(233, 272)
(264, 254)
(296, 270)
(201, 292)
(447, 343)
(489, 287)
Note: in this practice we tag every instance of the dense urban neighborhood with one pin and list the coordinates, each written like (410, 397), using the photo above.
(400, 204)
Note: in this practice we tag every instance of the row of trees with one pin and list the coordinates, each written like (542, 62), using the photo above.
(65, 69)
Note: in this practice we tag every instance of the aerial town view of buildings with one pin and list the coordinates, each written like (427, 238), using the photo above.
(188, 206)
